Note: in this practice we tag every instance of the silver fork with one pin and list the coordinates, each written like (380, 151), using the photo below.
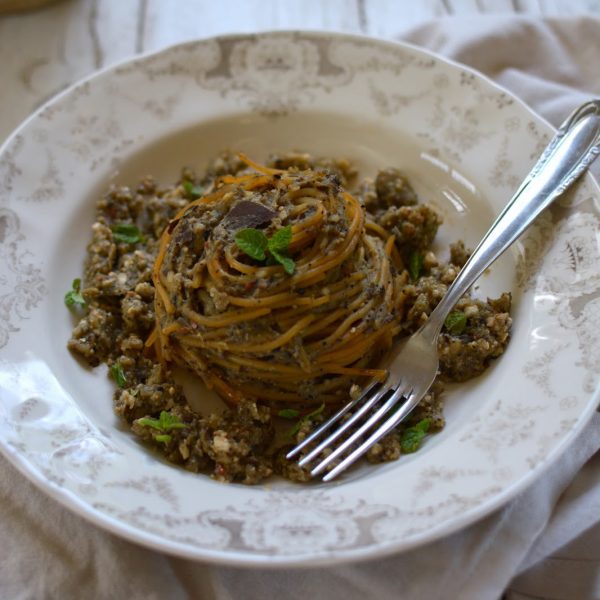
(412, 367)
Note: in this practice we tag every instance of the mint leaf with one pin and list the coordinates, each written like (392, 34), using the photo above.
(149, 422)
(255, 244)
(165, 422)
(287, 262)
(73, 297)
(278, 247)
(411, 438)
(170, 421)
(165, 438)
(117, 373)
(315, 412)
(280, 240)
(415, 264)
(292, 432)
(252, 242)
(195, 191)
(455, 322)
(288, 413)
(126, 233)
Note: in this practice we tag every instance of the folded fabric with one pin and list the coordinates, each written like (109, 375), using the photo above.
(48, 552)
(551, 64)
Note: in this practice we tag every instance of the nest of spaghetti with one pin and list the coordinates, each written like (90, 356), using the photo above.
(293, 335)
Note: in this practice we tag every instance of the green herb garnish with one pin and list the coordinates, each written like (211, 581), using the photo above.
(127, 233)
(165, 422)
(281, 239)
(286, 261)
(256, 244)
(195, 191)
(117, 373)
(288, 413)
(315, 412)
(252, 242)
(73, 297)
(278, 246)
(415, 265)
(165, 438)
(304, 419)
(455, 322)
(411, 438)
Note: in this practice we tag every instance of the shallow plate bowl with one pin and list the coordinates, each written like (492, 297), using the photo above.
(464, 142)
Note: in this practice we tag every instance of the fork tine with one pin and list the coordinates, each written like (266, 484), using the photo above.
(333, 436)
(411, 401)
(325, 426)
(374, 418)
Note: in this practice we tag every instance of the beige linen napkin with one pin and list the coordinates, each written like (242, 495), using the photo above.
(547, 537)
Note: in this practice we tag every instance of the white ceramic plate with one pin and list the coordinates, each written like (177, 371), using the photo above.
(464, 142)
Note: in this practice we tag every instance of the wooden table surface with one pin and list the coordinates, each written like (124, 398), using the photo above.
(45, 50)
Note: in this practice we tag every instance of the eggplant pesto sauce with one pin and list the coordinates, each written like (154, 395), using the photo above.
(114, 307)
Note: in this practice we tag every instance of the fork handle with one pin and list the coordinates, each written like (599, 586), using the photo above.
(570, 152)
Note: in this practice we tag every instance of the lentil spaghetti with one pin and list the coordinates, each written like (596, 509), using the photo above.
(253, 331)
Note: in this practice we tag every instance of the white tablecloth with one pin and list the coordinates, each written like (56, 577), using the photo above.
(544, 544)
